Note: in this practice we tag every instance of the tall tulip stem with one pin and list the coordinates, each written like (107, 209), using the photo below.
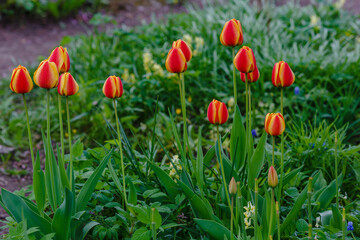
(309, 192)
(222, 167)
(61, 129)
(336, 171)
(247, 117)
(234, 78)
(256, 208)
(273, 150)
(48, 158)
(271, 213)
(278, 219)
(232, 218)
(250, 118)
(282, 151)
(29, 132)
(121, 151)
(70, 144)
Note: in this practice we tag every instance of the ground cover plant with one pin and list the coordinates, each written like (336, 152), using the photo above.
(193, 177)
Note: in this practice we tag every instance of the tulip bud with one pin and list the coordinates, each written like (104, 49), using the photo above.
(273, 179)
(67, 85)
(184, 48)
(61, 58)
(217, 112)
(176, 61)
(113, 87)
(46, 75)
(232, 34)
(232, 186)
(244, 60)
(282, 75)
(274, 124)
(20, 80)
(251, 77)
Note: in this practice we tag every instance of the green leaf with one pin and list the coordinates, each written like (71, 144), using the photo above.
(132, 199)
(328, 194)
(63, 176)
(336, 215)
(89, 186)
(82, 230)
(199, 207)
(142, 234)
(115, 179)
(199, 164)
(39, 184)
(257, 161)
(209, 155)
(214, 229)
(62, 217)
(78, 148)
(302, 225)
(237, 140)
(20, 209)
(288, 177)
(177, 139)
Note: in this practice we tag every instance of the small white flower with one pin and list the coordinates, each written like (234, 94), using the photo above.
(317, 222)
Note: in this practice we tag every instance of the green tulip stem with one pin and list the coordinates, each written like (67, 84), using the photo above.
(309, 192)
(247, 118)
(48, 158)
(343, 224)
(273, 151)
(256, 209)
(121, 151)
(282, 152)
(234, 78)
(278, 220)
(232, 218)
(271, 212)
(222, 167)
(61, 130)
(153, 223)
(70, 144)
(29, 131)
(336, 172)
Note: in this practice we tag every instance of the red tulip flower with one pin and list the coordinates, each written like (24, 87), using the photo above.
(184, 48)
(232, 34)
(217, 112)
(113, 87)
(176, 61)
(244, 60)
(46, 75)
(251, 77)
(61, 58)
(20, 80)
(273, 179)
(67, 85)
(274, 124)
(282, 75)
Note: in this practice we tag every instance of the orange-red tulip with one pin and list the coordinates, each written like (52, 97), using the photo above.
(282, 75)
(244, 60)
(232, 34)
(61, 58)
(273, 179)
(20, 80)
(217, 112)
(113, 87)
(67, 85)
(184, 48)
(251, 77)
(274, 124)
(46, 75)
(176, 61)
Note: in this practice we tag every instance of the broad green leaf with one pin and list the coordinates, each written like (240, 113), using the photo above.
(20, 209)
(328, 194)
(209, 155)
(214, 229)
(141, 234)
(288, 177)
(257, 161)
(82, 230)
(132, 198)
(89, 186)
(237, 140)
(63, 176)
(62, 217)
(115, 179)
(336, 216)
(78, 148)
(199, 207)
(39, 184)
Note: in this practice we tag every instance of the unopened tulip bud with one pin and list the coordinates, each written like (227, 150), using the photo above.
(113, 87)
(250, 77)
(20, 80)
(217, 112)
(244, 60)
(274, 124)
(232, 34)
(46, 75)
(176, 61)
(273, 179)
(67, 85)
(282, 75)
(61, 58)
(232, 186)
(184, 48)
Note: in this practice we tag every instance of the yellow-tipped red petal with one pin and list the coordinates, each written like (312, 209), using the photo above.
(184, 48)
(46, 75)
(113, 87)
(251, 77)
(61, 58)
(244, 60)
(67, 85)
(231, 34)
(20, 80)
(282, 75)
(217, 112)
(274, 124)
(176, 61)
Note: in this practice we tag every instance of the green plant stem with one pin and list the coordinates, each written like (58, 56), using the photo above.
(48, 158)
(121, 151)
(186, 138)
(153, 223)
(250, 117)
(336, 172)
(343, 224)
(256, 208)
(241, 210)
(70, 143)
(278, 220)
(61, 130)
(273, 151)
(282, 150)
(309, 192)
(271, 212)
(232, 218)
(222, 167)
(247, 118)
(29, 132)
(234, 78)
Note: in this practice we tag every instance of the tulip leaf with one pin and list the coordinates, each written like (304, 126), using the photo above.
(83, 229)
(200, 164)
(288, 177)
(214, 229)
(62, 217)
(237, 140)
(209, 155)
(132, 198)
(39, 184)
(115, 178)
(336, 216)
(177, 139)
(328, 194)
(90, 184)
(63, 177)
(257, 161)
